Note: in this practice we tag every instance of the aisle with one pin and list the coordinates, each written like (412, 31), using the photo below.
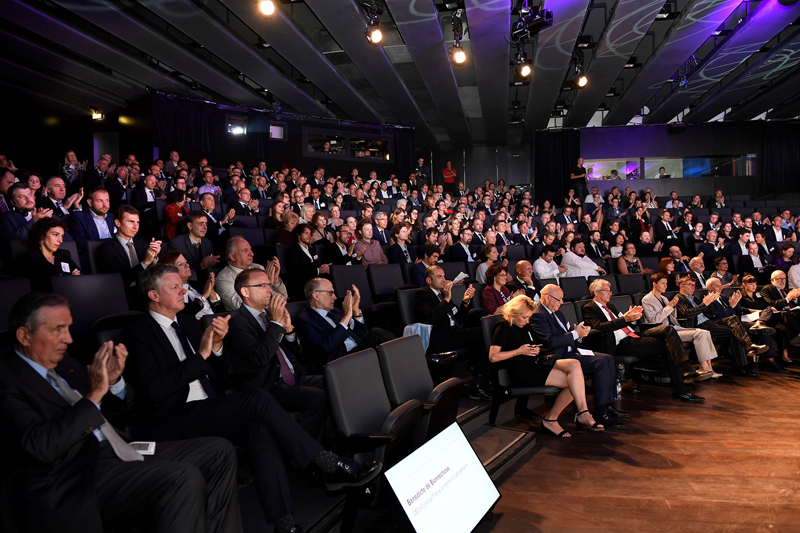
(730, 464)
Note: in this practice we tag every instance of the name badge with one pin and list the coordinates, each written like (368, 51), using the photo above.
(316, 258)
(65, 267)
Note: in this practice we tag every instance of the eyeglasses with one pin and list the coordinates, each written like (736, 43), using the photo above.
(328, 292)
(556, 298)
(262, 285)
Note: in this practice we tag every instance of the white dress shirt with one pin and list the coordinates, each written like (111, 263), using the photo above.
(578, 266)
(544, 270)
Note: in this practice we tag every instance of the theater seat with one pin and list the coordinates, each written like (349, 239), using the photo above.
(97, 301)
(12, 290)
(376, 314)
(501, 379)
(367, 426)
(386, 280)
(406, 377)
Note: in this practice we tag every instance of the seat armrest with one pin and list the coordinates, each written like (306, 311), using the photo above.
(363, 442)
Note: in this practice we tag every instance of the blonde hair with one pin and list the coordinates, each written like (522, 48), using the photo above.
(517, 306)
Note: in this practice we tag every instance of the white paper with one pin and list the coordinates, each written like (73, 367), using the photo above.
(65, 267)
(583, 351)
(751, 317)
(461, 277)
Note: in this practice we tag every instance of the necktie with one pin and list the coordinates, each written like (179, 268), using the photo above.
(286, 372)
(408, 257)
(783, 294)
(132, 254)
(60, 208)
(118, 444)
(450, 314)
(626, 330)
(316, 204)
(3, 206)
(187, 351)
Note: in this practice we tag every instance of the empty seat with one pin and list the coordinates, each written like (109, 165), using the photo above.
(501, 379)
(568, 310)
(12, 290)
(92, 299)
(254, 236)
(575, 288)
(91, 252)
(406, 377)
(630, 284)
(453, 269)
(295, 308)
(385, 280)
(405, 301)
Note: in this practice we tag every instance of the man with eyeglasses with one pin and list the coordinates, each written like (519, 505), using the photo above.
(660, 342)
(262, 342)
(341, 251)
(784, 300)
(562, 339)
(193, 245)
(327, 333)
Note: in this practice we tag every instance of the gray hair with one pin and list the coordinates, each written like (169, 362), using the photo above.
(150, 279)
(598, 284)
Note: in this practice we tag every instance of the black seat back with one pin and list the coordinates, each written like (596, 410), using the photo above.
(91, 297)
(384, 279)
(405, 370)
(574, 288)
(12, 289)
(405, 300)
(344, 277)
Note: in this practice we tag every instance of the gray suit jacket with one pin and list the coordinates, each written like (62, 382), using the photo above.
(655, 313)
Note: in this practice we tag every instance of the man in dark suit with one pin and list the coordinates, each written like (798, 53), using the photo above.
(96, 177)
(24, 214)
(193, 245)
(57, 200)
(218, 226)
(680, 261)
(302, 264)
(730, 331)
(124, 254)
(68, 469)
(460, 251)
(777, 235)
(595, 249)
(327, 333)
(176, 369)
(659, 342)
(422, 171)
(263, 343)
(430, 256)
(117, 187)
(738, 247)
(567, 217)
(711, 249)
(755, 264)
(776, 294)
(523, 279)
(340, 252)
(144, 199)
(433, 305)
(664, 230)
(245, 206)
(379, 232)
(92, 224)
(560, 339)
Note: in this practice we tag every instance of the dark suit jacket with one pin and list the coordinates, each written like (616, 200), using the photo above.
(39, 270)
(14, 226)
(595, 318)
(687, 314)
(555, 341)
(457, 253)
(322, 343)
(519, 238)
(115, 192)
(382, 237)
(662, 234)
(746, 264)
(773, 297)
(333, 255)
(112, 257)
(44, 202)
(160, 378)
(769, 235)
(254, 351)
(83, 228)
(592, 254)
(299, 269)
(395, 254)
(92, 179)
(183, 244)
(49, 449)
(429, 310)
(733, 248)
(242, 210)
(718, 310)
(709, 254)
(417, 275)
(514, 285)
(139, 199)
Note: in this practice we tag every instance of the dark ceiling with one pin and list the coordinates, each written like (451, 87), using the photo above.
(739, 61)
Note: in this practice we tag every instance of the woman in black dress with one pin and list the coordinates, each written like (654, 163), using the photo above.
(515, 347)
(46, 258)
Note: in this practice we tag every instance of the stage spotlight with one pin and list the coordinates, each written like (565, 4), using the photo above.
(523, 68)
(581, 81)
(458, 56)
(374, 34)
(267, 7)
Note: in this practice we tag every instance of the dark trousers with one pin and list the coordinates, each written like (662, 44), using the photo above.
(254, 420)
(580, 188)
(186, 486)
(306, 397)
(664, 342)
(730, 331)
(600, 368)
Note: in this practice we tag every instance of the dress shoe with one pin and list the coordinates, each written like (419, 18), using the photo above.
(616, 413)
(744, 371)
(350, 473)
(757, 349)
(687, 397)
(772, 366)
(525, 414)
(607, 421)
(479, 393)
(761, 330)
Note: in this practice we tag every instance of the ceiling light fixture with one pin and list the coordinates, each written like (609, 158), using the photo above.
(457, 54)
(267, 7)
(97, 115)
(373, 10)
(579, 79)
(523, 67)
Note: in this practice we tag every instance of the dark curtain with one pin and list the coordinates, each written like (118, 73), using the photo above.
(555, 154)
(183, 124)
(257, 133)
(779, 167)
(403, 147)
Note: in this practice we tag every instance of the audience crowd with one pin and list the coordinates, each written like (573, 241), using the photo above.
(236, 248)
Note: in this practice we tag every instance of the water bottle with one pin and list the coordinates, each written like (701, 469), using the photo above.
(620, 379)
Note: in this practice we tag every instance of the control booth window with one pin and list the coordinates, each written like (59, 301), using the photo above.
(236, 125)
(346, 145)
(325, 144)
(361, 148)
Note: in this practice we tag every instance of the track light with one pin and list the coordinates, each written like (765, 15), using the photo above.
(579, 79)
(97, 115)
(373, 9)
(457, 54)
(523, 68)
(267, 7)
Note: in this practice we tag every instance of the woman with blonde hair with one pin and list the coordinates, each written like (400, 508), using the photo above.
(516, 348)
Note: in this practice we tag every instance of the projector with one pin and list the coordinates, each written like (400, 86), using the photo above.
(528, 24)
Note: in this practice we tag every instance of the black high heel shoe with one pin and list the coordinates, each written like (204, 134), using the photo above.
(581, 426)
(545, 431)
